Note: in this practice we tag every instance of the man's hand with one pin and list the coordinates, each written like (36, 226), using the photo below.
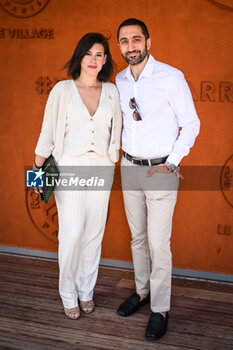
(160, 168)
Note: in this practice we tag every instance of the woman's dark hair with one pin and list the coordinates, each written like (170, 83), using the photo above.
(134, 22)
(84, 45)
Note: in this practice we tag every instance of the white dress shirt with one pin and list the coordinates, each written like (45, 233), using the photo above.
(165, 104)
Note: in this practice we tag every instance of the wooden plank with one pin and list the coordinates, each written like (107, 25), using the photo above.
(28, 342)
(203, 305)
(200, 284)
(202, 294)
(126, 283)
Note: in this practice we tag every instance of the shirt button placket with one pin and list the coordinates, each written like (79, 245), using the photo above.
(134, 136)
(92, 131)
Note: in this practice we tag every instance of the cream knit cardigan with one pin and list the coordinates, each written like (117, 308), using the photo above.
(54, 122)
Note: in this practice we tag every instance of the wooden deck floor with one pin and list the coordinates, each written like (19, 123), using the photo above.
(32, 318)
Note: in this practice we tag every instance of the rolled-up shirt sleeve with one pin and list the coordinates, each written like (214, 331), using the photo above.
(181, 102)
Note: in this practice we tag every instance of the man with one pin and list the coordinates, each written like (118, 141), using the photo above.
(160, 126)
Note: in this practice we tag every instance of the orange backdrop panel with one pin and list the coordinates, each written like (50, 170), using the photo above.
(38, 37)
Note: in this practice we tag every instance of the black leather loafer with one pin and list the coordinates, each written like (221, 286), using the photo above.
(156, 326)
(132, 304)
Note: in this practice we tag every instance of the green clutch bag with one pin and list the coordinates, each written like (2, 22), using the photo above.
(51, 175)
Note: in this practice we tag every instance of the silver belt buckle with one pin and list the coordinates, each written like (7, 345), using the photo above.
(131, 159)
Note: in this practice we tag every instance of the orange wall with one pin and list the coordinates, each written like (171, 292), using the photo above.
(192, 35)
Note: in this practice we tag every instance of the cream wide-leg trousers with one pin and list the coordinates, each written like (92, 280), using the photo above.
(149, 205)
(82, 218)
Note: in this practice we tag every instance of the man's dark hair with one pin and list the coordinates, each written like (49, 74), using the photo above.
(134, 22)
(84, 45)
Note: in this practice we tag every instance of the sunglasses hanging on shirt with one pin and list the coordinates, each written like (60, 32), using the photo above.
(133, 105)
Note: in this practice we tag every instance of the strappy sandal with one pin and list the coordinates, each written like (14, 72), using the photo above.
(73, 311)
(87, 306)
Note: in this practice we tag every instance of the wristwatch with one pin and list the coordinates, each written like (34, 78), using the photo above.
(170, 166)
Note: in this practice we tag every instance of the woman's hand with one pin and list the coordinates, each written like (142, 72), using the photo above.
(37, 189)
(37, 165)
(38, 162)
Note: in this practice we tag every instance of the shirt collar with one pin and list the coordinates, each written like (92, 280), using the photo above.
(147, 70)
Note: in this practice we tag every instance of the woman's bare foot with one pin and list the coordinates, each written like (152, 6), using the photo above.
(87, 306)
(72, 313)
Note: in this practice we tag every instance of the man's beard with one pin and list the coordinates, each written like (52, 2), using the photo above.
(135, 60)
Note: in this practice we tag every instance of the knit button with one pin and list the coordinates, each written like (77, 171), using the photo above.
(92, 143)
(91, 120)
(113, 142)
(92, 131)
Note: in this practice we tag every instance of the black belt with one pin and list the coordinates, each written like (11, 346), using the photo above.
(139, 161)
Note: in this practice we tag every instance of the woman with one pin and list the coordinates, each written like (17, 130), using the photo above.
(82, 127)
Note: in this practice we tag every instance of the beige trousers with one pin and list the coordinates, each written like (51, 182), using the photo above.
(82, 218)
(149, 205)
